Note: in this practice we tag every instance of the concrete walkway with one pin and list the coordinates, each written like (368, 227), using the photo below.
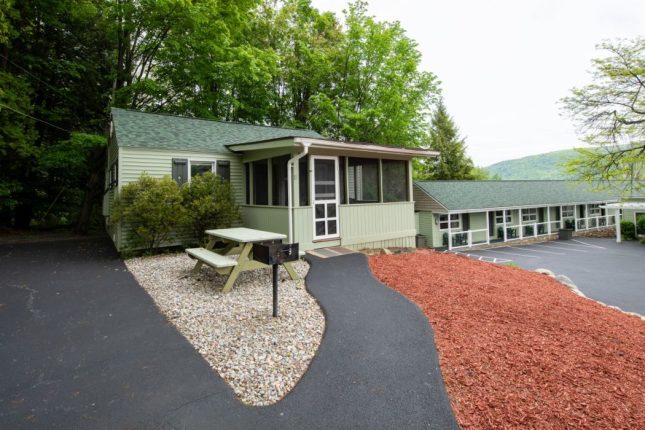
(83, 346)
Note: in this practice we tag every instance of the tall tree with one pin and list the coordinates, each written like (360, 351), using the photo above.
(610, 116)
(452, 163)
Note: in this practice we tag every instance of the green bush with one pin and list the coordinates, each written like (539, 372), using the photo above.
(210, 203)
(627, 230)
(151, 208)
(643, 240)
(640, 223)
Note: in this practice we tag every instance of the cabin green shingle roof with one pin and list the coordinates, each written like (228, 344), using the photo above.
(465, 195)
(160, 131)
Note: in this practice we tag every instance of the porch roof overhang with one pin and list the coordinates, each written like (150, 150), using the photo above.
(329, 144)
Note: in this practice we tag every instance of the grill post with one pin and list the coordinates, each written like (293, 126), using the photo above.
(275, 290)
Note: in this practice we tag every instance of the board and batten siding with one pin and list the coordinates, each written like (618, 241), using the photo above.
(158, 163)
(363, 224)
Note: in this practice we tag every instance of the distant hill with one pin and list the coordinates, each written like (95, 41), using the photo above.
(542, 166)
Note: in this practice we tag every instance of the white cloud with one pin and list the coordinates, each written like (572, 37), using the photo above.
(505, 64)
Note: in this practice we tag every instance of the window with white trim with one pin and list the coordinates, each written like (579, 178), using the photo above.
(455, 221)
(530, 214)
(201, 167)
(567, 211)
(499, 217)
(594, 209)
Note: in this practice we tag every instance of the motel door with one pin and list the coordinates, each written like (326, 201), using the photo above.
(325, 197)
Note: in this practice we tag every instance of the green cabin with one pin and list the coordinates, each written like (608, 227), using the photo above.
(319, 192)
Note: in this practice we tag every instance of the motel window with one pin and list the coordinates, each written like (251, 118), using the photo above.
(567, 211)
(260, 182)
(594, 210)
(279, 180)
(363, 180)
(200, 167)
(395, 181)
(499, 217)
(530, 214)
(455, 221)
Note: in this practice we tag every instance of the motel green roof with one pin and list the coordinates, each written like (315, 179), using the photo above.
(161, 131)
(464, 195)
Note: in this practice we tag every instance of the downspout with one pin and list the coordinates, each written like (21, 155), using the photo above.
(290, 165)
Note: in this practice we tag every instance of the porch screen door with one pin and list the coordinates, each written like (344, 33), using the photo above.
(325, 197)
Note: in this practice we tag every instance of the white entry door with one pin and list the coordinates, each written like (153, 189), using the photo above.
(325, 197)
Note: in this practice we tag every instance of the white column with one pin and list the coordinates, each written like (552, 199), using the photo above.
(561, 218)
(617, 221)
(505, 234)
(487, 227)
(548, 220)
(449, 232)
(575, 217)
(521, 224)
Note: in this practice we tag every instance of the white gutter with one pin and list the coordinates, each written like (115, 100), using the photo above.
(366, 147)
(290, 165)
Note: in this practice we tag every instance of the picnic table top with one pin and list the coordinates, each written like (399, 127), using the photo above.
(245, 235)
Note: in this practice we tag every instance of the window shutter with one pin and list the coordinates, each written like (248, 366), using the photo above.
(180, 170)
(224, 169)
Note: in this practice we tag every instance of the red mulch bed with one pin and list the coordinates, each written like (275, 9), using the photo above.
(519, 350)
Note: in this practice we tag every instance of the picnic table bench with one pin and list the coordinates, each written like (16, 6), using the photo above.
(239, 239)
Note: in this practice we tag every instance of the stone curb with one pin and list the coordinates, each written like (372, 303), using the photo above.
(567, 282)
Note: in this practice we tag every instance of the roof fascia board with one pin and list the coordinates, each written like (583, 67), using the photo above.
(540, 205)
(366, 147)
(283, 142)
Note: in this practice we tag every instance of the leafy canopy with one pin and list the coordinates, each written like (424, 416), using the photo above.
(610, 116)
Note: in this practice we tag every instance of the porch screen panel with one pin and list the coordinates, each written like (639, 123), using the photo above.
(303, 180)
(279, 180)
(325, 180)
(362, 180)
(395, 183)
(260, 182)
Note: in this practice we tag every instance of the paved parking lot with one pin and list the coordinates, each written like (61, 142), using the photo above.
(613, 273)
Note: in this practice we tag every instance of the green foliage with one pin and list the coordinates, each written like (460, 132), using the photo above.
(550, 165)
(610, 115)
(483, 174)
(151, 208)
(642, 240)
(452, 163)
(627, 230)
(640, 223)
(210, 203)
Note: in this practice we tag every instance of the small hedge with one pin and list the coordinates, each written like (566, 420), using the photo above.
(627, 230)
(640, 223)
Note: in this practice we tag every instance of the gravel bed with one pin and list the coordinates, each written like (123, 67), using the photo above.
(262, 358)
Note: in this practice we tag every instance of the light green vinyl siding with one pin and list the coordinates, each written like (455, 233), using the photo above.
(368, 223)
(426, 226)
(267, 218)
(158, 163)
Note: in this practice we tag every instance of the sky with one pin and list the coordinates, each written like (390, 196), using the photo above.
(504, 65)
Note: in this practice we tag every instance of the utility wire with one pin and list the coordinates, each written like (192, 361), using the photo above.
(34, 118)
(58, 90)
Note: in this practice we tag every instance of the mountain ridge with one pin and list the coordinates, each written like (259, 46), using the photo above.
(548, 165)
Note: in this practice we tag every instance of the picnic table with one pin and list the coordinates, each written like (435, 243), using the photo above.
(237, 240)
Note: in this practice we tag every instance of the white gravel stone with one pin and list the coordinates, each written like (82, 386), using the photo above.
(261, 357)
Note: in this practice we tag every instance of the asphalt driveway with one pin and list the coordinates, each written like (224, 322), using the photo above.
(82, 346)
(613, 273)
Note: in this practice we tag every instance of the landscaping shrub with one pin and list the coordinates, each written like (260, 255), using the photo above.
(210, 203)
(640, 223)
(627, 230)
(643, 240)
(150, 209)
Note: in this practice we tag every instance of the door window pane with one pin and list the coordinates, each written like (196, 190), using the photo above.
(362, 180)
(320, 211)
(331, 227)
(331, 210)
(325, 179)
(395, 181)
(260, 182)
(320, 228)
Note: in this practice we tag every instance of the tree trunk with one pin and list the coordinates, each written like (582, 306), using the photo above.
(93, 190)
